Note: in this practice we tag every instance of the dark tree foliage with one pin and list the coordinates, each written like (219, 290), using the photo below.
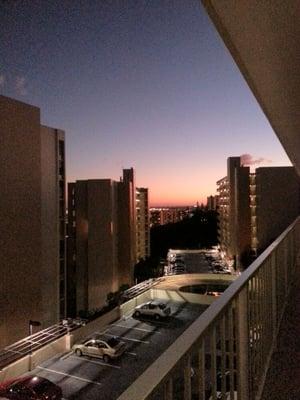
(197, 232)
(148, 268)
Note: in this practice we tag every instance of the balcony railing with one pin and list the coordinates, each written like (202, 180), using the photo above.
(226, 352)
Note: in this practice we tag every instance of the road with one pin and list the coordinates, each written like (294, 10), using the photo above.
(89, 378)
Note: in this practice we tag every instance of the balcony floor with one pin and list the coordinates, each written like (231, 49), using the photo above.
(283, 379)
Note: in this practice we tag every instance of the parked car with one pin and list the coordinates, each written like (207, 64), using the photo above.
(30, 388)
(106, 349)
(154, 309)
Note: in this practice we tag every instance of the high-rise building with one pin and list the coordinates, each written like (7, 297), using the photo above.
(101, 240)
(169, 215)
(251, 212)
(234, 212)
(142, 224)
(212, 202)
(32, 220)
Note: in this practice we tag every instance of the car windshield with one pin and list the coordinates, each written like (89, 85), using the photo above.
(113, 342)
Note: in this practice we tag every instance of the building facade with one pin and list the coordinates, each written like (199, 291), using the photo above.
(234, 212)
(32, 221)
(142, 224)
(168, 215)
(212, 203)
(251, 212)
(101, 240)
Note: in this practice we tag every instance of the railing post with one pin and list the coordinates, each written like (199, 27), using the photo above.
(274, 295)
(285, 243)
(243, 345)
(168, 390)
(187, 379)
(201, 369)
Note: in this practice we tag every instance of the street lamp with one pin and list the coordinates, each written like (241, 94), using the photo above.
(31, 325)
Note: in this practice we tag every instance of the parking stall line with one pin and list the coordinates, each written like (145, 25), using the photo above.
(126, 338)
(66, 355)
(97, 362)
(129, 352)
(138, 329)
(70, 376)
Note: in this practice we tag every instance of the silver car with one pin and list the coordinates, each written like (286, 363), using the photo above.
(106, 349)
(154, 309)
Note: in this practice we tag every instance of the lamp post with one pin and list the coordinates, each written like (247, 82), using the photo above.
(31, 325)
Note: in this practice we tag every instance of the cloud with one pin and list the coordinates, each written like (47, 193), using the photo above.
(2, 80)
(248, 159)
(20, 85)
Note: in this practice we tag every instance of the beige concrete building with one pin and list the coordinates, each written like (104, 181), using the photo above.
(255, 208)
(101, 240)
(32, 221)
(275, 203)
(142, 224)
(234, 212)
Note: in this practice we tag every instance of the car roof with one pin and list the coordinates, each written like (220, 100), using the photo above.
(156, 302)
(29, 381)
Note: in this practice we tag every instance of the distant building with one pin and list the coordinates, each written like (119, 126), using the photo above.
(101, 239)
(32, 221)
(234, 212)
(250, 208)
(142, 224)
(212, 202)
(168, 215)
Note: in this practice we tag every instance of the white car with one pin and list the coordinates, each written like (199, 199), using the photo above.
(106, 349)
(154, 309)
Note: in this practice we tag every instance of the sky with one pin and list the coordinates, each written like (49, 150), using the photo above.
(146, 84)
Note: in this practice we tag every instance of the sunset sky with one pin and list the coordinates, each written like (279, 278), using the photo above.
(135, 83)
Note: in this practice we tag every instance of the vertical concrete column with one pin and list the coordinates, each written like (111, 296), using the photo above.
(69, 341)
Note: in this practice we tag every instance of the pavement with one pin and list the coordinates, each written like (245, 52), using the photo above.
(87, 378)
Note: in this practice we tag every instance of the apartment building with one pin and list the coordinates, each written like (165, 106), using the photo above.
(142, 224)
(234, 213)
(212, 203)
(274, 202)
(254, 208)
(168, 215)
(32, 220)
(101, 240)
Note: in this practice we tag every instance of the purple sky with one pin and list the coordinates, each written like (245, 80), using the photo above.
(147, 84)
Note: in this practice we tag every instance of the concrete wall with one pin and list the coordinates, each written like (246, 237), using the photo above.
(127, 227)
(102, 249)
(127, 308)
(176, 295)
(50, 227)
(20, 219)
(29, 229)
(95, 326)
(277, 202)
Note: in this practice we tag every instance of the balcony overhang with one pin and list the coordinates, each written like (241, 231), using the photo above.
(263, 37)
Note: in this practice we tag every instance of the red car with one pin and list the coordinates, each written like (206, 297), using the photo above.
(30, 388)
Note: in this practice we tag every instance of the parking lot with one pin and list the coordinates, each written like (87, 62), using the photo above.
(91, 378)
